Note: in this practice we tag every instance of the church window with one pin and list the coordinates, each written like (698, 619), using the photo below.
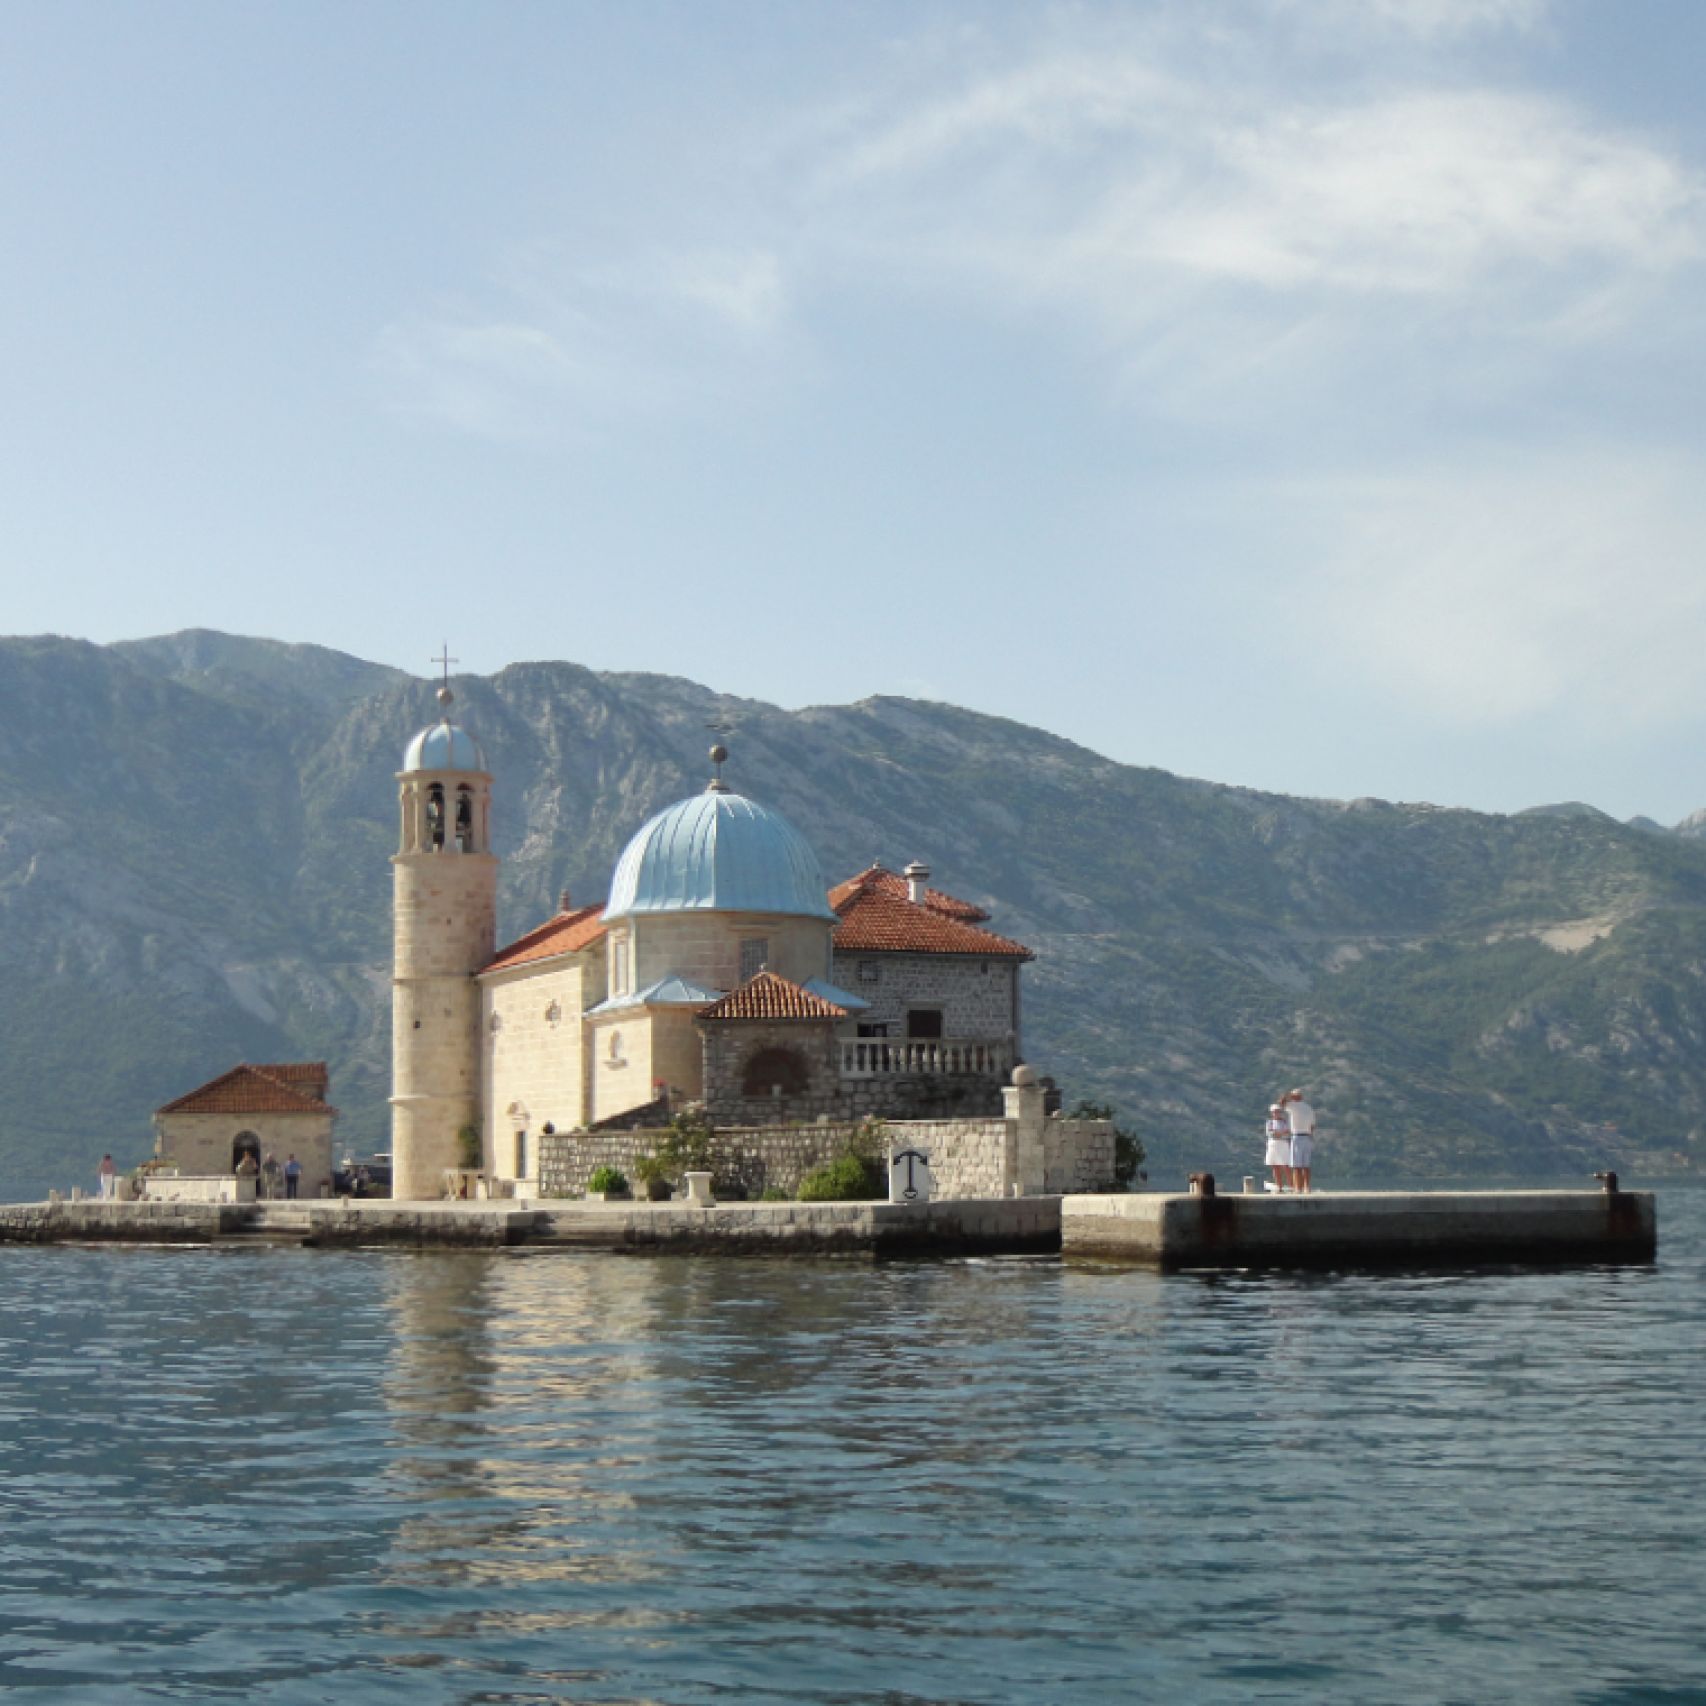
(774, 1071)
(619, 966)
(754, 956)
(435, 816)
(870, 971)
(615, 1048)
(464, 820)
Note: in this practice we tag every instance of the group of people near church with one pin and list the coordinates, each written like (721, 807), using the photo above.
(269, 1175)
(1291, 1141)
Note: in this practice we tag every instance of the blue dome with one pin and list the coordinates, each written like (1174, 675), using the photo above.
(718, 852)
(444, 746)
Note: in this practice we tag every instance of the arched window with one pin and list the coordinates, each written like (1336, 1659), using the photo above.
(465, 820)
(435, 816)
(771, 1068)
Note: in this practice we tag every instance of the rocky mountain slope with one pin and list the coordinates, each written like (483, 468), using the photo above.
(194, 833)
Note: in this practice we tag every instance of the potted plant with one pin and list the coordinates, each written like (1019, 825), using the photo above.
(653, 1173)
(607, 1184)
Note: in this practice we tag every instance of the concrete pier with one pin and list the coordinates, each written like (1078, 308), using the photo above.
(1363, 1228)
(1329, 1229)
(988, 1226)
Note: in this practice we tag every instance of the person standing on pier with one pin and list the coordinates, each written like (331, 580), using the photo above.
(1278, 1154)
(1302, 1120)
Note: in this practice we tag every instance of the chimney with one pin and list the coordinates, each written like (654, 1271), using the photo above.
(917, 875)
(563, 902)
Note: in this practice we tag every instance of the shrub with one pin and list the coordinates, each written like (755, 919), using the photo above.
(649, 1170)
(470, 1153)
(848, 1178)
(608, 1179)
(774, 1193)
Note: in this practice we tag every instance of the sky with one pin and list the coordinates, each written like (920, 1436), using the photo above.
(1302, 394)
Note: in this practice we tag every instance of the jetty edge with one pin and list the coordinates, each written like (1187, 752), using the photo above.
(1367, 1229)
(942, 1227)
(1167, 1231)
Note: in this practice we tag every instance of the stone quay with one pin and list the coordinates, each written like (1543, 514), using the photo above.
(1367, 1229)
(1168, 1231)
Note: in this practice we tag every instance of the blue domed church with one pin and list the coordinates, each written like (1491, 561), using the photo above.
(721, 969)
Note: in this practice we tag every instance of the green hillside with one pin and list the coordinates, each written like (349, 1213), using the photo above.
(194, 833)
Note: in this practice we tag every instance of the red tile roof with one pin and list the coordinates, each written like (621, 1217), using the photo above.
(297, 1087)
(878, 877)
(567, 933)
(769, 996)
(875, 920)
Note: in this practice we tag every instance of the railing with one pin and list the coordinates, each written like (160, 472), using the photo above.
(926, 1057)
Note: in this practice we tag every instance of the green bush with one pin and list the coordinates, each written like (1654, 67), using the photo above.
(774, 1193)
(848, 1178)
(470, 1153)
(608, 1179)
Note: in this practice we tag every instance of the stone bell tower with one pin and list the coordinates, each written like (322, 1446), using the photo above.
(444, 915)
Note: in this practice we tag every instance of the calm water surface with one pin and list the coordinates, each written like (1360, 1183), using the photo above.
(305, 1476)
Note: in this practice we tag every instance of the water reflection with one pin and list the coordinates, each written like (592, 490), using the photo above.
(537, 1476)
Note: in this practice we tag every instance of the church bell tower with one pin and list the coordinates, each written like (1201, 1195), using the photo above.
(444, 916)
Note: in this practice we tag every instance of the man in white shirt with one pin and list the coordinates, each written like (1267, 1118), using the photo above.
(1302, 1118)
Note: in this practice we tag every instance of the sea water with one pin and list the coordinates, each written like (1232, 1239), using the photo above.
(291, 1475)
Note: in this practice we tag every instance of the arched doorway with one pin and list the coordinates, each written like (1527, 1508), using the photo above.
(245, 1143)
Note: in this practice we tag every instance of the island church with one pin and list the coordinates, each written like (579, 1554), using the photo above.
(721, 969)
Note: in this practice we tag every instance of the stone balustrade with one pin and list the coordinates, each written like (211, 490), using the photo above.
(926, 1057)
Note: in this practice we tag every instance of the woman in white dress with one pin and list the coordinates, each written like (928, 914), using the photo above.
(1279, 1146)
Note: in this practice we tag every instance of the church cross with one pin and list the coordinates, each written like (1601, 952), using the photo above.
(445, 662)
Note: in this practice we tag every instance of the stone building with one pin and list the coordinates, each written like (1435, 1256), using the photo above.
(253, 1111)
(722, 969)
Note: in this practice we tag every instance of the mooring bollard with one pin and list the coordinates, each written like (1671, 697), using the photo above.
(1202, 1184)
(1609, 1181)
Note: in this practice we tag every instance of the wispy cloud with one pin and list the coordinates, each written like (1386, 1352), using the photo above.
(1563, 585)
(1429, 20)
(557, 341)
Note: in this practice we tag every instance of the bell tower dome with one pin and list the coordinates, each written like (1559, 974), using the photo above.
(444, 918)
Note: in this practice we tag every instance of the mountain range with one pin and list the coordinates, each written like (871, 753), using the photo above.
(194, 834)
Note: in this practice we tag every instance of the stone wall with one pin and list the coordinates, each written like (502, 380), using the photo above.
(742, 1158)
(731, 1048)
(705, 947)
(531, 1038)
(968, 1158)
(1078, 1156)
(975, 997)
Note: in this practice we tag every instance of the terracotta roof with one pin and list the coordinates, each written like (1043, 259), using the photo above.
(877, 921)
(567, 933)
(769, 996)
(297, 1087)
(879, 877)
